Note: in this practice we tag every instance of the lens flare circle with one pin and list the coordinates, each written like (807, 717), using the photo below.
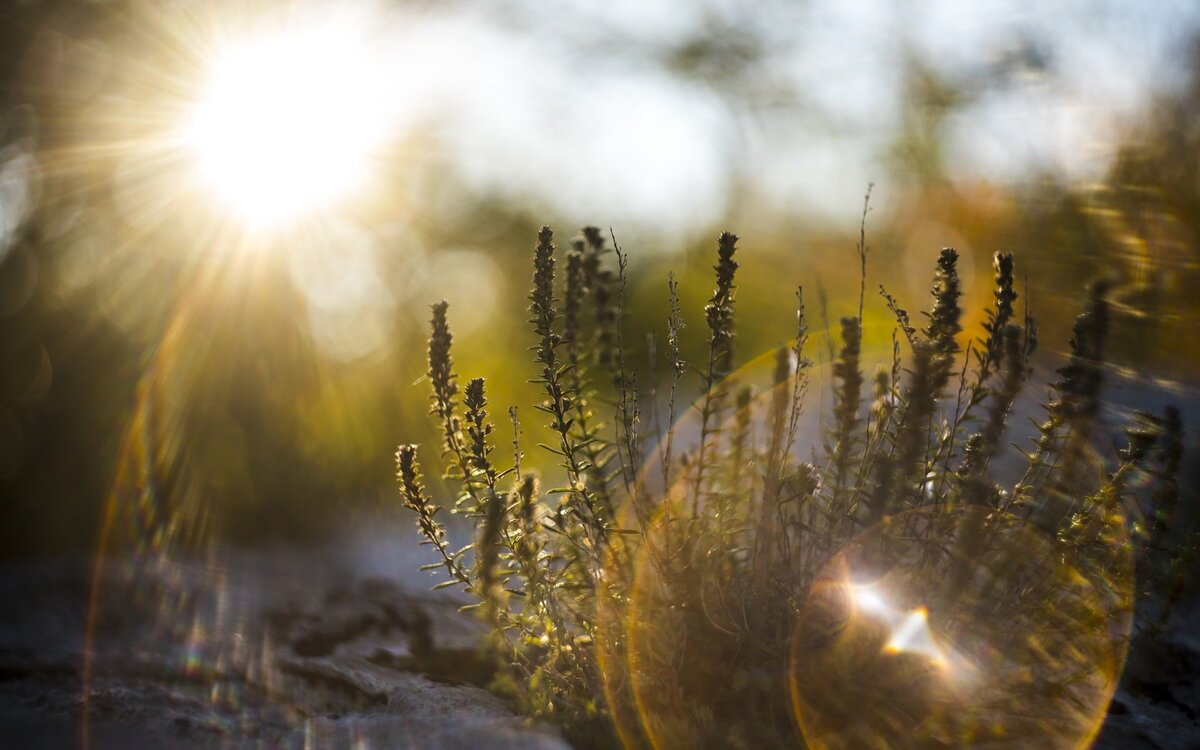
(963, 626)
(750, 618)
(676, 636)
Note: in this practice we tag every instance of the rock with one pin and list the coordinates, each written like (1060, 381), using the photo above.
(192, 655)
(290, 651)
(1156, 706)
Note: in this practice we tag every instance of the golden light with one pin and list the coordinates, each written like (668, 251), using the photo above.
(959, 627)
(908, 631)
(288, 123)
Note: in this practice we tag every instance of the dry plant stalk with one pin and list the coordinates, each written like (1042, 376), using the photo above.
(652, 600)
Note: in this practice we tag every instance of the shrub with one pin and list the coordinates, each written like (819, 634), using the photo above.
(712, 584)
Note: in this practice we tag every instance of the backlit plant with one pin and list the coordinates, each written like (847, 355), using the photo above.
(757, 574)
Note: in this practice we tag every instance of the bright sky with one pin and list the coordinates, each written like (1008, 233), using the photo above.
(582, 111)
(574, 106)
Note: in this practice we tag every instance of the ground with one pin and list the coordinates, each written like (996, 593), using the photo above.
(293, 650)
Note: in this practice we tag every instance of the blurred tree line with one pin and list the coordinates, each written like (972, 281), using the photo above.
(104, 326)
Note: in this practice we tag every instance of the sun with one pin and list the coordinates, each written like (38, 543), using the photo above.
(289, 122)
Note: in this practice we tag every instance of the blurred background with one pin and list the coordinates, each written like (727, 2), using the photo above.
(222, 224)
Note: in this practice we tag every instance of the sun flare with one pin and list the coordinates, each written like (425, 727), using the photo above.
(288, 123)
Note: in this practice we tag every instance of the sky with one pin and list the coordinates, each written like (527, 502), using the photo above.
(588, 105)
(650, 113)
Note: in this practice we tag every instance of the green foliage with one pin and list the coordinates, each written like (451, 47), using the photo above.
(654, 596)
